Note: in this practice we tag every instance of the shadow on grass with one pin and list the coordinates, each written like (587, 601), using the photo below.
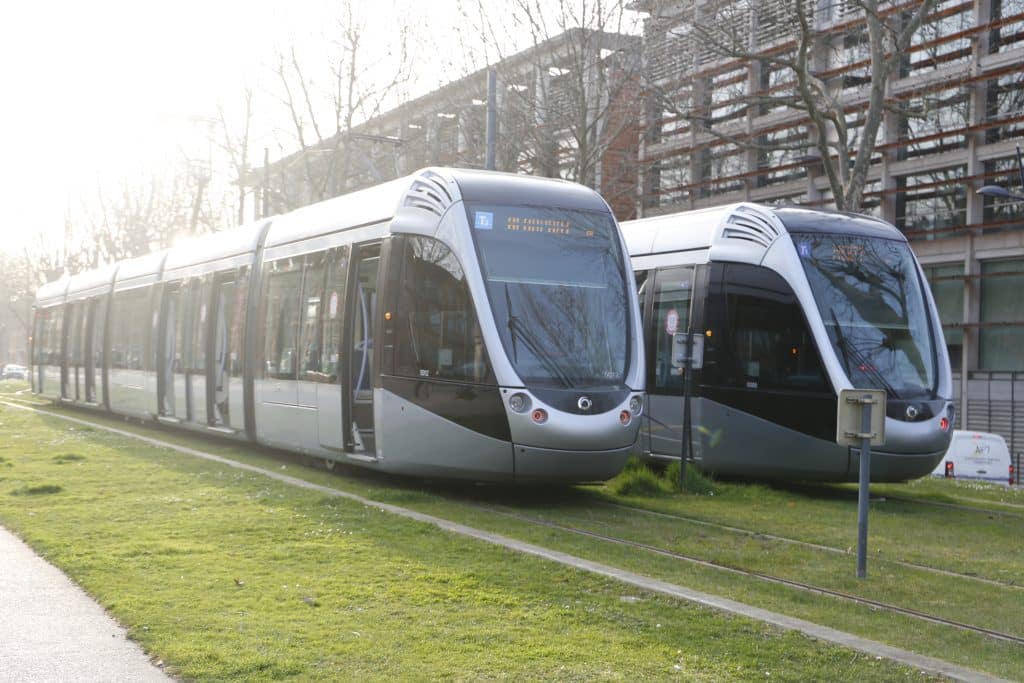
(68, 457)
(42, 489)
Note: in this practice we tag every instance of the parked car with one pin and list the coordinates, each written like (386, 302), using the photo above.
(12, 371)
(976, 455)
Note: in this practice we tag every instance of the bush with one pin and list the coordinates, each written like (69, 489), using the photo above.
(696, 482)
(636, 479)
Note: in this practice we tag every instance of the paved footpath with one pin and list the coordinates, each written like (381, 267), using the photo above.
(50, 630)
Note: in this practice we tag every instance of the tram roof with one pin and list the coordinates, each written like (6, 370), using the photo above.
(92, 282)
(701, 229)
(53, 292)
(208, 252)
(140, 271)
(797, 219)
(382, 202)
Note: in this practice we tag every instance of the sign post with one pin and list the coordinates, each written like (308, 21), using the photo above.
(687, 353)
(860, 421)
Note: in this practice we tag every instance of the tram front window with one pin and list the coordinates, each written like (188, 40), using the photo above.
(558, 288)
(872, 302)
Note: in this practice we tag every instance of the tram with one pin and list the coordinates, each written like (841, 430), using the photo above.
(453, 323)
(791, 305)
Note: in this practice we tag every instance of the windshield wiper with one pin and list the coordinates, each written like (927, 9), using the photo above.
(848, 349)
(512, 335)
(516, 328)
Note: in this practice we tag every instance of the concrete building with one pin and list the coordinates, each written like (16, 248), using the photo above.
(568, 107)
(955, 116)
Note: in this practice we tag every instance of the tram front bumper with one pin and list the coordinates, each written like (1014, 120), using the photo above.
(556, 465)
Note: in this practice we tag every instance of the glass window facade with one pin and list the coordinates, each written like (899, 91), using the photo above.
(1000, 340)
(947, 285)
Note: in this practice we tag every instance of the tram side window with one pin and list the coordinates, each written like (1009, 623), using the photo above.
(236, 296)
(281, 323)
(437, 333)
(39, 341)
(311, 368)
(47, 338)
(673, 291)
(130, 315)
(99, 325)
(760, 336)
(332, 311)
(199, 295)
(178, 315)
(53, 334)
(73, 325)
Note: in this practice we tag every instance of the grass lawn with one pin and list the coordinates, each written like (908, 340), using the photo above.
(224, 574)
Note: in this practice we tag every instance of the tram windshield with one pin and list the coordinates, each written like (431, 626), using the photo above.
(872, 302)
(557, 286)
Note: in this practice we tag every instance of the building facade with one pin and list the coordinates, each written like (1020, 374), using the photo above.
(661, 123)
(954, 117)
(568, 107)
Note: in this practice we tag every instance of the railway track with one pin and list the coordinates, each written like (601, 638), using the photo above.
(975, 509)
(798, 585)
(807, 544)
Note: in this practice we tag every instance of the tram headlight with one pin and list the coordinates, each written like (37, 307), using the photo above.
(635, 405)
(519, 403)
(625, 418)
(540, 416)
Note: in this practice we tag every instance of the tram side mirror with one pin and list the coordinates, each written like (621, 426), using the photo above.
(680, 350)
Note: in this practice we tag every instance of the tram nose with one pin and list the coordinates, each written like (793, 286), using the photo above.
(596, 421)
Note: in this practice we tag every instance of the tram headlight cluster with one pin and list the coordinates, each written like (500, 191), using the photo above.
(636, 405)
(519, 402)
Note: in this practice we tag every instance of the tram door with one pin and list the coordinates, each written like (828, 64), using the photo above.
(73, 334)
(89, 332)
(168, 353)
(672, 295)
(362, 301)
(225, 387)
(330, 429)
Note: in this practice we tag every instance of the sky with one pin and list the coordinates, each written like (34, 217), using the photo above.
(94, 92)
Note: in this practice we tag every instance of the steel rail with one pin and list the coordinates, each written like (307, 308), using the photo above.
(806, 587)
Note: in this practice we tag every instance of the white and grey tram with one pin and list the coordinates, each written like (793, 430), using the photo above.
(792, 305)
(453, 323)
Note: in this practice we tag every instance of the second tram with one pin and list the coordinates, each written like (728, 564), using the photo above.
(792, 305)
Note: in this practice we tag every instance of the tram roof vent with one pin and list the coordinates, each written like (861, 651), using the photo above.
(430, 193)
(751, 224)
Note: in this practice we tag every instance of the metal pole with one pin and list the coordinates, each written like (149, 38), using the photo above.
(865, 483)
(266, 182)
(492, 117)
(687, 445)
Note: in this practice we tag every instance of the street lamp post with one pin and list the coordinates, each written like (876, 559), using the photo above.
(1000, 192)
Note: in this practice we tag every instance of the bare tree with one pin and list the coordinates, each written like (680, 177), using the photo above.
(323, 104)
(831, 62)
(236, 146)
(570, 102)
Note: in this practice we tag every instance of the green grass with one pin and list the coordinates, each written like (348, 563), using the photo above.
(800, 511)
(11, 386)
(228, 575)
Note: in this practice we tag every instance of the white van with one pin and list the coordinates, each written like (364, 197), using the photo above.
(976, 455)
